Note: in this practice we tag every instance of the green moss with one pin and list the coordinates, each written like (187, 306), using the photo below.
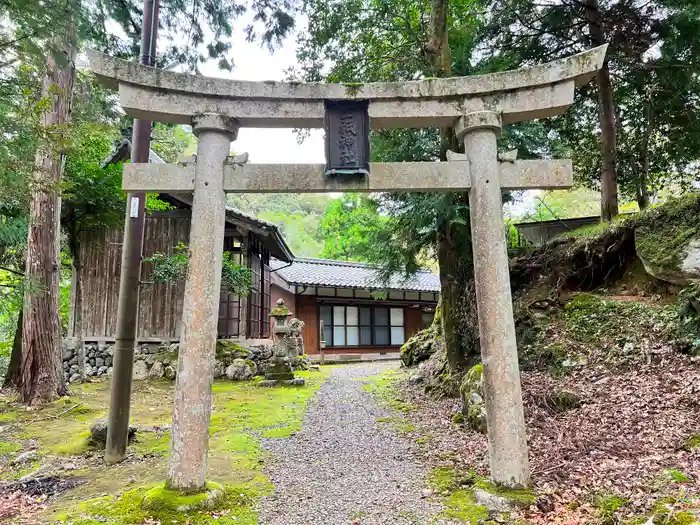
(7, 449)
(241, 412)
(448, 479)
(563, 401)
(458, 418)
(461, 505)
(519, 496)
(74, 445)
(676, 475)
(161, 498)
(235, 507)
(608, 505)
(663, 233)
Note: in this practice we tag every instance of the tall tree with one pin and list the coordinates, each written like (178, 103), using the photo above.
(41, 375)
(348, 226)
(636, 127)
(377, 40)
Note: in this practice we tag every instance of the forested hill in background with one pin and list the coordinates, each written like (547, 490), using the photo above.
(297, 216)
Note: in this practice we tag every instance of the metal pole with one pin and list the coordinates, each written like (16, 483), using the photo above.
(132, 247)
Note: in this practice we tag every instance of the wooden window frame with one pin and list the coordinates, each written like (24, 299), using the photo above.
(330, 345)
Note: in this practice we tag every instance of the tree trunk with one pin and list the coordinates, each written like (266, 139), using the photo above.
(13, 368)
(458, 296)
(459, 316)
(606, 106)
(643, 183)
(41, 377)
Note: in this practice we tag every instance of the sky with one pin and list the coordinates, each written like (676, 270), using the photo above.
(268, 146)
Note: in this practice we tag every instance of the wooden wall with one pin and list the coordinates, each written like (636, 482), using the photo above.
(160, 305)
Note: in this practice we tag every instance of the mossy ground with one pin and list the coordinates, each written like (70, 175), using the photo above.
(241, 414)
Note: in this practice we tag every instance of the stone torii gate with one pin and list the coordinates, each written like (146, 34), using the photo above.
(477, 107)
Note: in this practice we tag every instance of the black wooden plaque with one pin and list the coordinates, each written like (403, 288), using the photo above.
(347, 137)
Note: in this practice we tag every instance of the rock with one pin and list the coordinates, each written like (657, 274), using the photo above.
(415, 379)
(157, 371)
(667, 240)
(419, 347)
(169, 372)
(316, 368)
(25, 457)
(98, 433)
(300, 362)
(150, 360)
(73, 360)
(240, 370)
(297, 381)
(228, 351)
(91, 361)
(89, 371)
(99, 362)
(503, 503)
(426, 493)
(91, 354)
(219, 370)
(472, 394)
(74, 378)
(109, 371)
(108, 361)
(140, 371)
(67, 353)
(267, 383)
(66, 366)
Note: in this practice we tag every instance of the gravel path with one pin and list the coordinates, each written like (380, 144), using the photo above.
(343, 467)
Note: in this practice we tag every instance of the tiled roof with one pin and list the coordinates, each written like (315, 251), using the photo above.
(345, 274)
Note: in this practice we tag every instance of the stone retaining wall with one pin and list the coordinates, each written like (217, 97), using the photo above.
(235, 360)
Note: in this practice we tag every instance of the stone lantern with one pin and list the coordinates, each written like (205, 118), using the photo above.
(279, 369)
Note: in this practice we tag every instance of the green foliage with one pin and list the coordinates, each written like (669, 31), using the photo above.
(608, 505)
(654, 67)
(235, 279)
(349, 226)
(170, 267)
(296, 215)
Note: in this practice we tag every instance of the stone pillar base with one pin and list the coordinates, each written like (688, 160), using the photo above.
(279, 369)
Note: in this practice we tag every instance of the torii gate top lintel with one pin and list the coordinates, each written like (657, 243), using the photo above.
(534, 92)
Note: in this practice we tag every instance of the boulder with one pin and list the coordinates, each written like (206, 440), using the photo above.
(300, 362)
(228, 351)
(67, 353)
(157, 371)
(98, 433)
(240, 370)
(219, 369)
(109, 371)
(99, 362)
(140, 371)
(667, 240)
(74, 378)
(472, 394)
(25, 457)
(169, 372)
(419, 347)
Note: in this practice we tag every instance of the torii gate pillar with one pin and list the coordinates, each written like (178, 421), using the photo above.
(189, 444)
(499, 352)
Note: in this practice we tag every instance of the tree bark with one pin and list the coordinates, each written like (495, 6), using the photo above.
(13, 368)
(606, 106)
(459, 316)
(643, 183)
(41, 377)
(458, 296)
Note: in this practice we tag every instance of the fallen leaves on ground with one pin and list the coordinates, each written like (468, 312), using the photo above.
(624, 437)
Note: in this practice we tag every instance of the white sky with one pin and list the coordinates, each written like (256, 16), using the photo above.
(253, 62)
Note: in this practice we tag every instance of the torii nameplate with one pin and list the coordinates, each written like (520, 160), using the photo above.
(523, 94)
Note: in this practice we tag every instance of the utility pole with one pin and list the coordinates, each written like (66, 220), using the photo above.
(132, 248)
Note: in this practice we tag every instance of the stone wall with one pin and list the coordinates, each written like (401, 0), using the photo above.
(235, 359)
